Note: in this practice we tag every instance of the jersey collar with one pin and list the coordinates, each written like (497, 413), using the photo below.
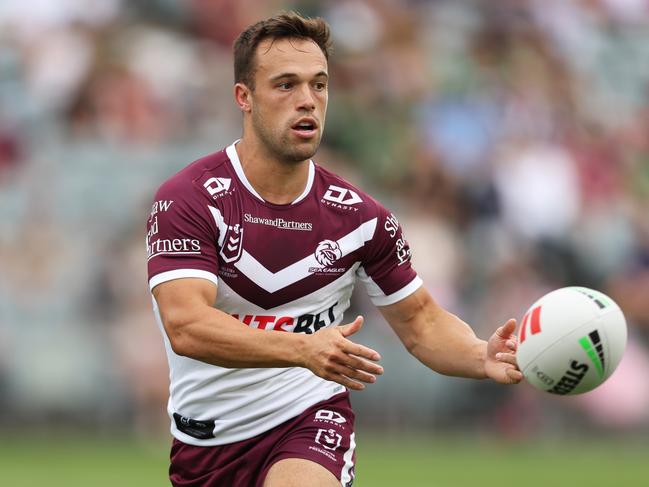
(236, 163)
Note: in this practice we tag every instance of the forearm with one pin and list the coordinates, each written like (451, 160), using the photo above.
(214, 337)
(198, 330)
(437, 338)
(446, 344)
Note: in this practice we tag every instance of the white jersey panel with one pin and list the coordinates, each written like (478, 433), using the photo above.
(232, 398)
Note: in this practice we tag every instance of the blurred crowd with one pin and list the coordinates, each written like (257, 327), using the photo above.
(510, 138)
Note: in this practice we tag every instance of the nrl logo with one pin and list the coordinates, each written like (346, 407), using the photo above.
(327, 252)
(232, 244)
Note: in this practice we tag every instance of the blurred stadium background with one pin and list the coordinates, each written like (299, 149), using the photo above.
(511, 139)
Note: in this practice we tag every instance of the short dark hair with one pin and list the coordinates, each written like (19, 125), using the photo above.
(286, 25)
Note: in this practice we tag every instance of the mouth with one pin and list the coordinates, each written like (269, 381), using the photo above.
(305, 128)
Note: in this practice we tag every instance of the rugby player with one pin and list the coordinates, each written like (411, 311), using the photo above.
(253, 252)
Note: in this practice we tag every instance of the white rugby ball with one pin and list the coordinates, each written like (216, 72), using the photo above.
(571, 340)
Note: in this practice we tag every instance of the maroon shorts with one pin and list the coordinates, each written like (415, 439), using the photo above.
(324, 434)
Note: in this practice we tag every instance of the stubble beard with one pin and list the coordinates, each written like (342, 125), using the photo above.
(277, 142)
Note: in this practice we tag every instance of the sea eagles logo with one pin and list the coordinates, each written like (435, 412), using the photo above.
(327, 252)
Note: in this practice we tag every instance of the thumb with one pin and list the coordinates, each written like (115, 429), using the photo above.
(353, 327)
(507, 329)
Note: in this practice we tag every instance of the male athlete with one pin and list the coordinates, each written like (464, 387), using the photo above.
(253, 252)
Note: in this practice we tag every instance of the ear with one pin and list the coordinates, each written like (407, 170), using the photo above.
(243, 97)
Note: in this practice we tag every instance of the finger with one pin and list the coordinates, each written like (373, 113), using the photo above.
(346, 381)
(509, 358)
(351, 373)
(358, 375)
(351, 348)
(512, 344)
(359, 363)
(507, 329)
(353, 327)
(514, 375)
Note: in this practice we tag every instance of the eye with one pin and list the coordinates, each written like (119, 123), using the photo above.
(320, 85)
(286, 85)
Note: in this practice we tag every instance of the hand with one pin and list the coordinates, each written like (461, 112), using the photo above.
(330, 355)
(500, 364)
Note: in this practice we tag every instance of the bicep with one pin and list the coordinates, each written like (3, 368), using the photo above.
(182, 300)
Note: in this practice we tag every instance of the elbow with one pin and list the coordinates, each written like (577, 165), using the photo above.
(179, 339)
(179, 344)
(410, 342)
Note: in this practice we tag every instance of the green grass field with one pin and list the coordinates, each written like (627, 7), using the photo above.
(381, 462)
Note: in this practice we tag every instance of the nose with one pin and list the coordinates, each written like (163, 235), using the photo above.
(305, 100)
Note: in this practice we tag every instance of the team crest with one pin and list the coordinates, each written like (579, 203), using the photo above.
(327, 252)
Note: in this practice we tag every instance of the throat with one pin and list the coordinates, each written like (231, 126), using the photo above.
(275, 182)
(282, 187)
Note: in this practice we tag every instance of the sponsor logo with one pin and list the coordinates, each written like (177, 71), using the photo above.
(169, 246)
(404, 253)
(202, 430)
(218, 187)
(570, 379)
(176, 246)
(341, 198)
(328, 439)
(391, 225)
(278, 223)
(328, 416)
(306, 323)
(533, 318)
(542, 376)
(592, 345)
(598, 298)
(232, 244)
(152, 230)
(159, 206)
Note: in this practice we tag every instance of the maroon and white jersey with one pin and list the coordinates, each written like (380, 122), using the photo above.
(287, 268)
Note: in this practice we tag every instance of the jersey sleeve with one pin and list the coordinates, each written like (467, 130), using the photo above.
(181, 237)
(387, 272)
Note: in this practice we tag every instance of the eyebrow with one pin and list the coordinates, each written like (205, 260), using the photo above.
(294, 75)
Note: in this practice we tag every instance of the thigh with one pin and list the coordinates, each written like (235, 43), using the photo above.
(317, 450)
(294, 472)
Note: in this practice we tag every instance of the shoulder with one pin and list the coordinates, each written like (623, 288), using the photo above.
(198, 180)
(341, 196)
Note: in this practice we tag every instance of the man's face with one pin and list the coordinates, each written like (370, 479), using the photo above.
(289, 101)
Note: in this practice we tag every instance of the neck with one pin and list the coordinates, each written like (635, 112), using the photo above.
(276, 181)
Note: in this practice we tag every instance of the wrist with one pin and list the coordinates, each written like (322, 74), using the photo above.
(481, 360)
(298, 350)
